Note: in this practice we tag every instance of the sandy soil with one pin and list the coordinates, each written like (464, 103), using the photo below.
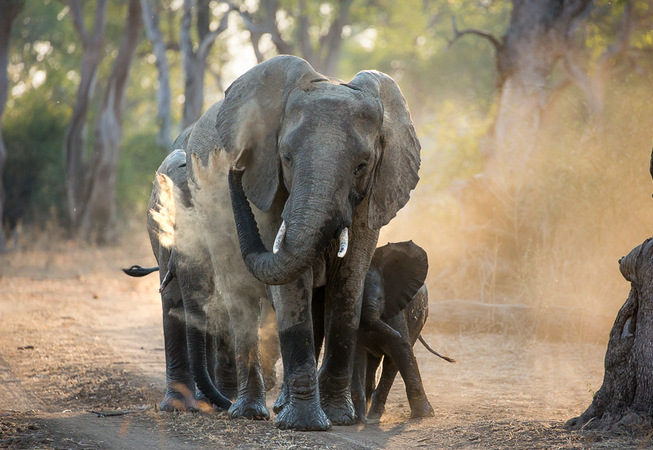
(79, 341)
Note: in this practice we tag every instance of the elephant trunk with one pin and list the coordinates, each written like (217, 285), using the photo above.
(296, 245)
(196, 338)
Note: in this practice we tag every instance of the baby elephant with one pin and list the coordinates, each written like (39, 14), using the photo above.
(395, 308)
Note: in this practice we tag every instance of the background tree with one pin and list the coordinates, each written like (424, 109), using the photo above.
(316, 34)
(10, 9)
(194, 56)
(99, 210)
(74, 144)
(154, 35)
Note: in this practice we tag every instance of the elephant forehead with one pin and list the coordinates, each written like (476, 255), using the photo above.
(337, 100)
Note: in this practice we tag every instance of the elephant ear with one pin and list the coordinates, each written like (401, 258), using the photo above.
(403, 267)
(249, 119)
(399, 158)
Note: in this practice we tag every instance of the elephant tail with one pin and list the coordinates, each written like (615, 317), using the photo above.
(428, 347)
(138, 271)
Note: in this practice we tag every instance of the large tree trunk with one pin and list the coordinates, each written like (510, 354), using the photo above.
(151, 21)
(99, 213)
(75, 137)
(10, 9)
(534, 41)
(625, 400)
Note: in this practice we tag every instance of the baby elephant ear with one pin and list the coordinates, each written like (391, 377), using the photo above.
(403, 267)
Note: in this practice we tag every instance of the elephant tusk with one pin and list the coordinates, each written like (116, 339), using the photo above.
(279, 239)
(344, 243)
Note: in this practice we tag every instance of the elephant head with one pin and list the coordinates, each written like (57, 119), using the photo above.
(342, 152)
(397, 272)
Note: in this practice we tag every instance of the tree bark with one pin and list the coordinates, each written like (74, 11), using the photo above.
(194, 61)
(625, 400)
(323, 57)
(151, 22)
(534, 41)
(74, 141)
(10, 10)
(331, 43)
(99, 212)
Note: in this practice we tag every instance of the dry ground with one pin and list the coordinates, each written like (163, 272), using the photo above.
(77, 336)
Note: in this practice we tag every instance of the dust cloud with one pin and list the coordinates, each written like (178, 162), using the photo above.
(191, 217)
(535, 254)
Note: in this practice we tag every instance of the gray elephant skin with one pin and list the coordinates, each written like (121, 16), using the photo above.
(200, 355)
(320, 161)
(395, 309)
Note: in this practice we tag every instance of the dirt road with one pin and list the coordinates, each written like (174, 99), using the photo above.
(77, 336)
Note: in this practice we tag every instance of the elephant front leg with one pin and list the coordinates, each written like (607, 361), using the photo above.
(342, 310)
(301, 409)
(244, 312)
(179, 379)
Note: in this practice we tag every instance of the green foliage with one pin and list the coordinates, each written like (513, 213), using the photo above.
(34, 174)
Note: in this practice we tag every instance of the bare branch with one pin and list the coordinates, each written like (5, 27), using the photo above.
(78, 19)
(207, 41)
(270, 26)
(458, 34)
(621, 45)
(98, 25)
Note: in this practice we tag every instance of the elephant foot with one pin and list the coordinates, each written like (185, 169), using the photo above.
(374, 414)
(423, 409)
(300, 404)
(249, 408)
(339, 410)
(302, 415)
(282, 399)
(203, 404)
(335, 398)
(178, 398)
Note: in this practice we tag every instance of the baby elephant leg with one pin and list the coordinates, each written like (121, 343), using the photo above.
(401, 353)
(380, 394)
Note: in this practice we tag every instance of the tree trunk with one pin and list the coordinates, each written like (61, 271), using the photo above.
(151, 21)
(10, 9)
(74, 141)
(331, 43)
(99, 212)
(625, 400)
(194, 61)
(534, 41)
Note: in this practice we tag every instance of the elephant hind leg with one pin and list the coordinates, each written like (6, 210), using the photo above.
(244, 311)
(179, 379)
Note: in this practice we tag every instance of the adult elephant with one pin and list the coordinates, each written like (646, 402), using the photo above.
(200, 354)
(197, 338)
(322, 160)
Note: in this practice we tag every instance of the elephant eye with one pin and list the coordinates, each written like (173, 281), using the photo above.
(360, 168)
(286, 159)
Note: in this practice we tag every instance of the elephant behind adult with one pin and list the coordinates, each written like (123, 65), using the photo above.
(190, 351)
(325, 159)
